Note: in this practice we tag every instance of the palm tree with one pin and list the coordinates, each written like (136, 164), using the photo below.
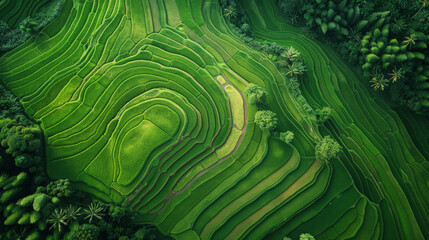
(93, 211)
(290, 53)
(58, 219)
(410, 41)
(72, 212)
(396, 75)
(355, 34)
(229, 12)
(401, 24)
(296, 68)
(378, 81)
(20, 234)
(424, 4)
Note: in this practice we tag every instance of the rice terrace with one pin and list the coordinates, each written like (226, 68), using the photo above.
(214, 119)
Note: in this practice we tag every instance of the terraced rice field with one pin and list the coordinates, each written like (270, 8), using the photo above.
(141, 103)
(13, 12)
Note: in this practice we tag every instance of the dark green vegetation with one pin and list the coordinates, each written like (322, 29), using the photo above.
(213, 120)
(34, 207)
(20, 20)
(388, 39)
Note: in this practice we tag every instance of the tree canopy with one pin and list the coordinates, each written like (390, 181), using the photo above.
(328, 148)
(287, 136)
(256, 95)
(266, 120)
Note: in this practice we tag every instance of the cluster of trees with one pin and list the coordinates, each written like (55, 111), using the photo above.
(256, 95)
(326, 148)
(240, 25)
(20, 140)
(387, 38)
(32, 206)
(265, 119)
(235, 15)
(293, 66)
(290, 63)
(402, 63)
(332, 17)
(11, 37)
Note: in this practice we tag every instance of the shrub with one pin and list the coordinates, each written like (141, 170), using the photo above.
(60, 188)
(145, 232)
(287, 137)
(333, 17)
(117, 212)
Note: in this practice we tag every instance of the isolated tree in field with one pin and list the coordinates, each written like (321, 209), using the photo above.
(287, 137)
(322, 115)
(328, 148)
(245, 29)
(266, 120)
(229, 12)
(256, 95)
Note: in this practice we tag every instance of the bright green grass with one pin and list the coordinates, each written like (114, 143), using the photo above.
(136, 147)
